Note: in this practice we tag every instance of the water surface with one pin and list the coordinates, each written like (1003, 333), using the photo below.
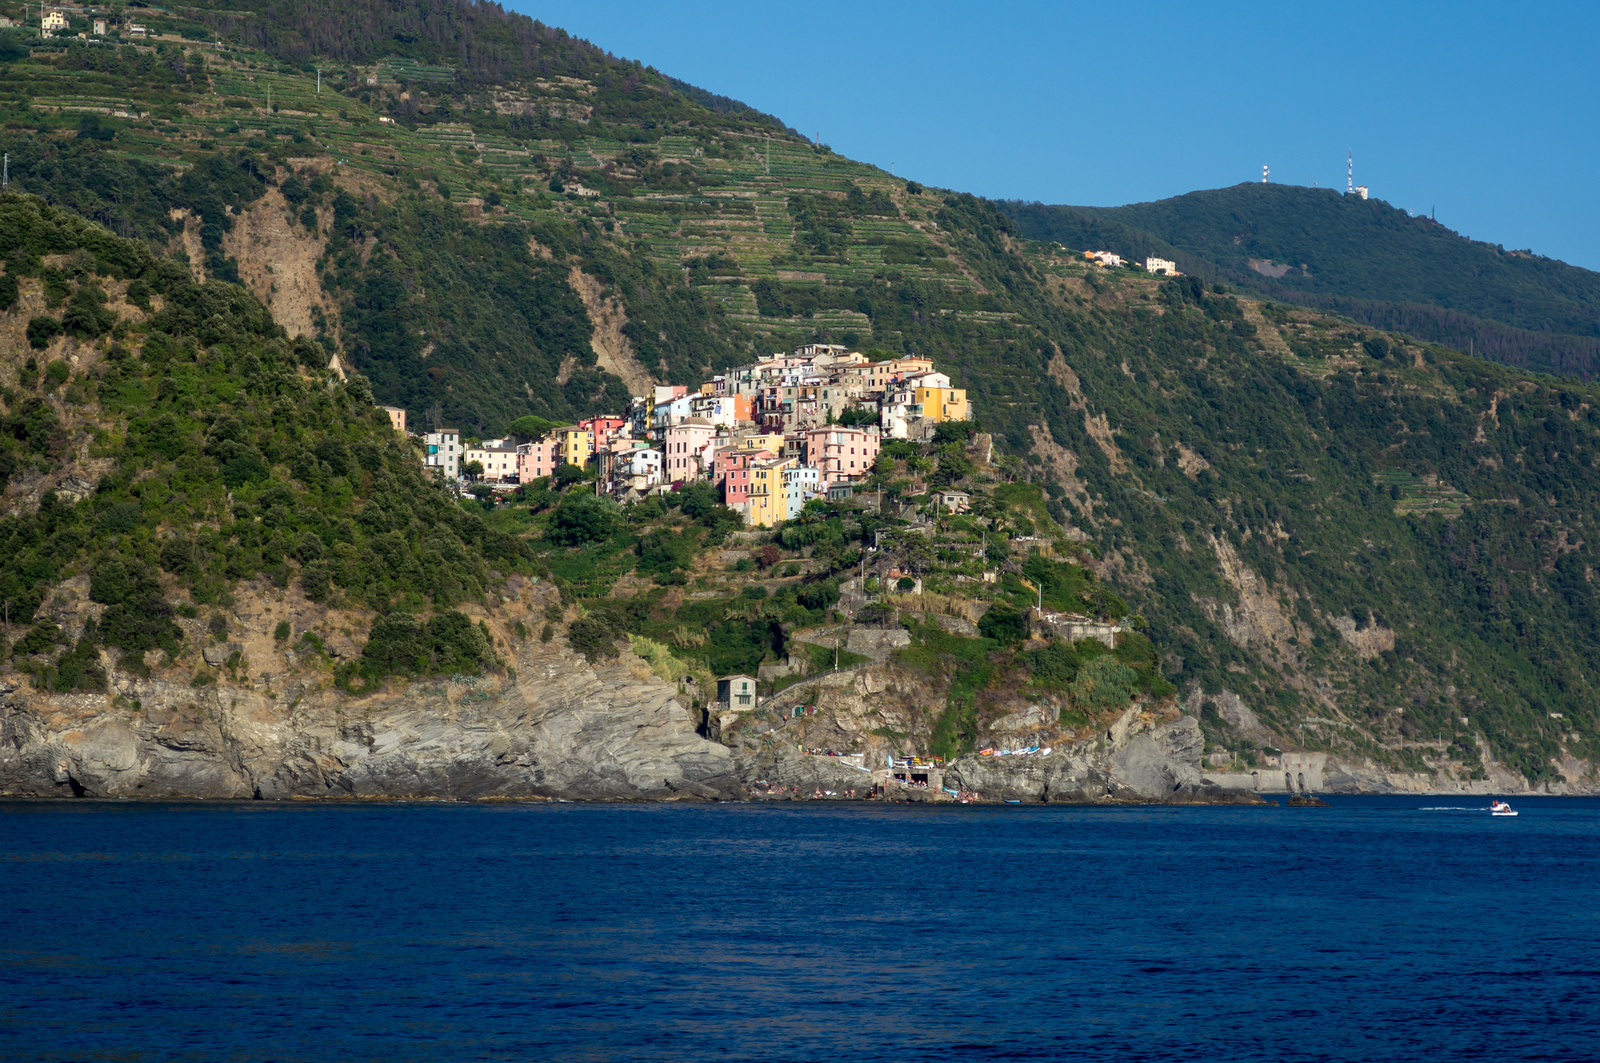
(1373, 930)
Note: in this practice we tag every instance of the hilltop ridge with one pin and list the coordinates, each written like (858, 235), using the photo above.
(1361, 258)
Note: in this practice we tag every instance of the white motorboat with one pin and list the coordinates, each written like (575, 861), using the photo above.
(1500, 808)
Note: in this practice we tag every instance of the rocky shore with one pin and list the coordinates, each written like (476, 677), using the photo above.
(249, 720)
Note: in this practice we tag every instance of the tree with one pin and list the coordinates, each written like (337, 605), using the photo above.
(568, 474)
(580, 520)
(1004, 624)
(473, 469)
(531, 426)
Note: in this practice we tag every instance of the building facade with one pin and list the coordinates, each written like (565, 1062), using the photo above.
(842, 453)
(684, 448)
(499, 461)
(444, 452)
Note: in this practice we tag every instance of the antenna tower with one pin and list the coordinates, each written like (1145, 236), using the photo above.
(1264, 173)
(1350, 175)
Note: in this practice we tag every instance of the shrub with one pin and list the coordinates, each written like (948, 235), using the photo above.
(80, 669)
(819, 596)
(138, 618)
(581, 520)
(120, 518)
(1103, 684)
(592, 637)
(41, 330)
(1004, 624)
(400, 644)
(41, 638)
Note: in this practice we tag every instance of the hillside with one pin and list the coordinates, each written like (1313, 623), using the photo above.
(1363, 259)
(1333, 538)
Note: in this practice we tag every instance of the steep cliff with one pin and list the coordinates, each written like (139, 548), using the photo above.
(551, 725)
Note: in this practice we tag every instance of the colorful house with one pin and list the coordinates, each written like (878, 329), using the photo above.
(842, 453)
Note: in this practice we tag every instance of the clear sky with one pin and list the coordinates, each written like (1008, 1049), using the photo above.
(1488, 114)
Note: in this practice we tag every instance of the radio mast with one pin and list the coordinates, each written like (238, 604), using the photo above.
(1350, 175)
(1264, 173)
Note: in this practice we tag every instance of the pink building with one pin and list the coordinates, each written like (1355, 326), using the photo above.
(602, 430)
(684, 450)
(537, 459)
(733, 472)
(842, 453)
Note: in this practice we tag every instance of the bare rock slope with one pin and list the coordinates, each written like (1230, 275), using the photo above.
(563, 728)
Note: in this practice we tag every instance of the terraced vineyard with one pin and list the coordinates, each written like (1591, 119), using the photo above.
(208, 96)
(1416, 495)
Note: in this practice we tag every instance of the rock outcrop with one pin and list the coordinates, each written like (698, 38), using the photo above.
(1135, 760)
(556, 727)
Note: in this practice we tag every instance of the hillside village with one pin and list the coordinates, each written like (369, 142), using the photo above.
(769, 437)
(1230, 465)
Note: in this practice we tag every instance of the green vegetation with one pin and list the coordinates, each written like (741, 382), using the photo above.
(1224, 469)
(1362, 258)
(232, 455)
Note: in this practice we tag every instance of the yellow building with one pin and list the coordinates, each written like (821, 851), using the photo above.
(879, 374)
(769, 441)
(572, 446)
(944, 404)
(768, 499)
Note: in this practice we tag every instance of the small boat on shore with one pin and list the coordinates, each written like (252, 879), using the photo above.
(1500, 808)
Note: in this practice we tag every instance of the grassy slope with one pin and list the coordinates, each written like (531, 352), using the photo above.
(760, 242)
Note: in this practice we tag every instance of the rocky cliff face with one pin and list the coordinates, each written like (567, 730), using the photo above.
(265, 723)
(562, 728)
(1139, 758)
(239, 715)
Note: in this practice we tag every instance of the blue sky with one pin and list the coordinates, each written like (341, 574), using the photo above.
(1488, 114)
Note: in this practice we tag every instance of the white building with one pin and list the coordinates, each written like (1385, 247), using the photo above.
(928, 380)
(641, 467)
(444, 452)
(1161, 265)
(53, 21)
(801, 483)
(498, 458)
(900, 413)
(673, 411)
(1105, 258)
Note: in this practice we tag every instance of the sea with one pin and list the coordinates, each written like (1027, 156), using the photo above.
(1379, 928)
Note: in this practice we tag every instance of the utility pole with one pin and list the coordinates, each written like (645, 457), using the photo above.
(6, 181)
(319, 81)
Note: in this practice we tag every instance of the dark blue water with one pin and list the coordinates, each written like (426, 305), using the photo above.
(1369, 931)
